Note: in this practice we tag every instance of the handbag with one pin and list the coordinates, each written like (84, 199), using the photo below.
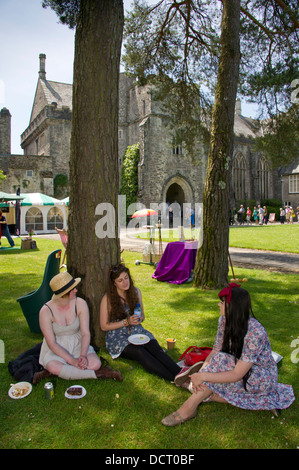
(195, 354)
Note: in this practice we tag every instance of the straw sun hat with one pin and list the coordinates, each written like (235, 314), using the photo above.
(62, 283)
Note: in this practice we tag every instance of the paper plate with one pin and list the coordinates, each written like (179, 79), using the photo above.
(75, 397)
(20, 390)
(138, 339)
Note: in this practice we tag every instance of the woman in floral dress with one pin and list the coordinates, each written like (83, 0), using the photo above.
(240, 370)
(118, 320)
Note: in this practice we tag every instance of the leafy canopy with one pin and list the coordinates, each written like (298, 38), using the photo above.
(175, 45)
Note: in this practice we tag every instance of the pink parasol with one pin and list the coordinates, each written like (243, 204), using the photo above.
(144, 213)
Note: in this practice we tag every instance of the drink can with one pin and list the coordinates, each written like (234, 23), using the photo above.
(49, 391)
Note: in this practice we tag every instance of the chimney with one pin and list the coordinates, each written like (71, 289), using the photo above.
(238, 109)
(42, 66)
(5, 131)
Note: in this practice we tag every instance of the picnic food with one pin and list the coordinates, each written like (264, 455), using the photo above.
(77, 391)
(18, 392)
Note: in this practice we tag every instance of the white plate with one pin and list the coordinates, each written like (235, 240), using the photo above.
(13, 391)
(75, 397)
(138, 339)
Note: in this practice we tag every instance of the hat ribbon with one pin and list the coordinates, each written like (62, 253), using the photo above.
(69, 284)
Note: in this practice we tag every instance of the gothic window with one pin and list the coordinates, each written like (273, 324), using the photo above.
(54, 218)
(239, 177)
(33, 219)
(263, 173)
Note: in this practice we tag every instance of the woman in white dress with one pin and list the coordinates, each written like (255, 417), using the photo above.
(66, 351)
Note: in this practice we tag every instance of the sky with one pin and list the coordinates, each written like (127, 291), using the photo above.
(27, 30)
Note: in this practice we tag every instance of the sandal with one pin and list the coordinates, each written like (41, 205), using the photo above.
(276, 412)
(174, 419)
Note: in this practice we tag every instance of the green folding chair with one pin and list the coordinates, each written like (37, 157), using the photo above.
(32, 303)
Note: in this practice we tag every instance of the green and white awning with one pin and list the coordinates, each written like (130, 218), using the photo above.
(39, 199)
(9, 197)
(66, 201)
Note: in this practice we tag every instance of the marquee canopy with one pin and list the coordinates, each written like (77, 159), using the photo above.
(9, 197)
(39, 199)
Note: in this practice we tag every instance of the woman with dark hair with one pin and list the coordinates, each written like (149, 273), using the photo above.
(240, 369)
(118, 320)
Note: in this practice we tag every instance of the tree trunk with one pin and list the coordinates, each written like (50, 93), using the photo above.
(211, 269)
(94, 176)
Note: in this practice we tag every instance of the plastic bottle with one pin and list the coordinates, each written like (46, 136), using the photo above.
(137, 311)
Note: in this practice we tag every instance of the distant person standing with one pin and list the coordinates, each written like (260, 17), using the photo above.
(241, 214)
(248, 215)
(255, 215)
(292, 215)
(5, 230)
(265, 215)
(261, 214)
(282, 215)
(288, 213)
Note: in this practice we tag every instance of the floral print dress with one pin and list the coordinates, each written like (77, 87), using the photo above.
(263, 392)
(117, 340)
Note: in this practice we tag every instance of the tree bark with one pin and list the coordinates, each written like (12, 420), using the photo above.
(94, 175)
(211, 270)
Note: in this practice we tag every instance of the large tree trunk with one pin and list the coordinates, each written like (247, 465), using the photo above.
(94, 150)
(211, 269)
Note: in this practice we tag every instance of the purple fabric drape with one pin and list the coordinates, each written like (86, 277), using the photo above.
(177, 262)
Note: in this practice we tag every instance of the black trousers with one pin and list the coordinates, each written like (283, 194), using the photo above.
(152, 357)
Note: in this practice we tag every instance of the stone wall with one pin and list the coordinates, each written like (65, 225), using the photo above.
(30, 173)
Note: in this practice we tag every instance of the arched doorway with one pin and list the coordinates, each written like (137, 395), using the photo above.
(175, 193)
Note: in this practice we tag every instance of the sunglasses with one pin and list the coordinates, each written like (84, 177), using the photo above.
(117, 267)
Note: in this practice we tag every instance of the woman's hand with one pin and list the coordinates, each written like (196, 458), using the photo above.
(82, 362)
(197, 379)
(134, 320)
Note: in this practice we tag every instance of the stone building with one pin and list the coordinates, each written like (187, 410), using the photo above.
(165, 173)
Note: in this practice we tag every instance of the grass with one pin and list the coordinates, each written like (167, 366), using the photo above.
(128, 415)
(266, 237)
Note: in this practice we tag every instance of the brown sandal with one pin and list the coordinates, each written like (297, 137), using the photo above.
(174, 419)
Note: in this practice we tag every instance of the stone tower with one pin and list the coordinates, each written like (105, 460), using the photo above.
(5, 131)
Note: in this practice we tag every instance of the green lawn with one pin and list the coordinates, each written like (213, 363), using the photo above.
(128, 415)
(265, 237)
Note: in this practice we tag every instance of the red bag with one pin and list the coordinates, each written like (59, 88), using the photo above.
(195, 354)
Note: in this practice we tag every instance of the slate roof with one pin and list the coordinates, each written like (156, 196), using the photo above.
(48, 92)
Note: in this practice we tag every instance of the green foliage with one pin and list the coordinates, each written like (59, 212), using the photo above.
(281, 136)
(2, 176)
(67, 10)
(129, 174)
(176, 46)
(60, 185)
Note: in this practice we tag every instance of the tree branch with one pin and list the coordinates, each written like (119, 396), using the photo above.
(260, 25)
(289, 11)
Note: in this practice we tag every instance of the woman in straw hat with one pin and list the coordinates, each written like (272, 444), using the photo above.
(66, 350)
